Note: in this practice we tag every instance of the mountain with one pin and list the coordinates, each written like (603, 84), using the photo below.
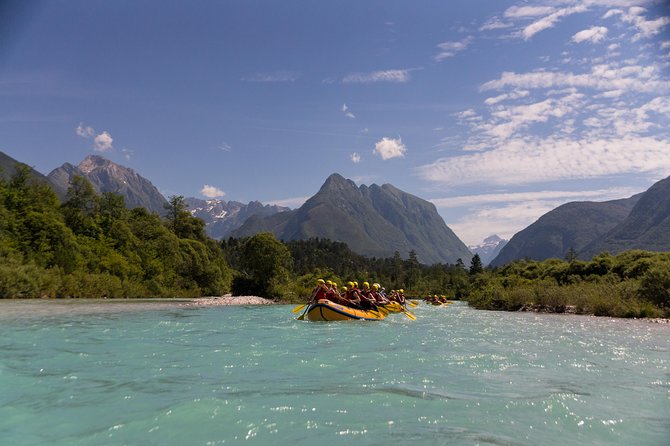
(570, 226)
(646, 227)
(373, 221)
(106, 176)
(489, 248)
(221, 217)
(8, 168)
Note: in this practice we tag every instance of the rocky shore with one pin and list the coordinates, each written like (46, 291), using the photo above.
(228, 300)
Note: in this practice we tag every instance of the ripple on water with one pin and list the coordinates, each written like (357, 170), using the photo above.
(166, 375)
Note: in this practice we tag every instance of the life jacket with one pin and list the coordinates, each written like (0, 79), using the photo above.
(321, 293)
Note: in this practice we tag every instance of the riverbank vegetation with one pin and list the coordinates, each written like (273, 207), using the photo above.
(91, 246)
(630, 284)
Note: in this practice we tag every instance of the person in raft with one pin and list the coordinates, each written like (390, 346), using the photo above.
(319, 291)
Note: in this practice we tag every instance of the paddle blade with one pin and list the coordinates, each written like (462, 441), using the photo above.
(410, 315)
(298, 308)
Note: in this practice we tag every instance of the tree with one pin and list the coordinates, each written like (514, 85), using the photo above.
(80, 207)
(571, 255)
(265, 262)
(476, 266)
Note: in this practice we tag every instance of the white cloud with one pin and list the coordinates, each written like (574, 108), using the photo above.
(593, 35)
(534, 160)
(212, 191)
(355, 158)
(293, 203)
(493, 24)
(276, 76)
(347, 112)
(604, 77)
(84, 131)
(550, 20)
(388, 148)
(509, 197)
(528, 11)
(517, 94)
(507, 213)
(450, 49)
(103, 142)
(394, 76)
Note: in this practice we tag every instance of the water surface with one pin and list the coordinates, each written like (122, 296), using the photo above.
(78, 373)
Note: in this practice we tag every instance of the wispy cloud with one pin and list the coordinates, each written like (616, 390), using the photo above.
(450, 49)
(275, 76)
(355, 158)
(292, 203)
(534, 160)
(225, 147)
(393, 76)
(84, 131)
(388, 148)
(212, 191)
(507, 213)
(510, 197)
(635, 16)
(550, 20)
(347, 112)
(601, 77)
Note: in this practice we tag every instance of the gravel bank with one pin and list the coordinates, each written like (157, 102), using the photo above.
(229, 300)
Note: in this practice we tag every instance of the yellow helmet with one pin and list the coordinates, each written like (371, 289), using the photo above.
(334, 285)
(320, 282)
(366, 285)
(344, 289)
(350, 285)
(355, 284)
(375, 286)
(401, 290)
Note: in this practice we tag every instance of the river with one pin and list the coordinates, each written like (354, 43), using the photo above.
(90, 373)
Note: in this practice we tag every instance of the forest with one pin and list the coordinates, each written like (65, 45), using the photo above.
(92, 246)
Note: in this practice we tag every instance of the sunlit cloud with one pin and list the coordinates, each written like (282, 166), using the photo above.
(534, 160)
(388, 148)
(355, 158)
(593, 35)
(212, 191)
(102, 142)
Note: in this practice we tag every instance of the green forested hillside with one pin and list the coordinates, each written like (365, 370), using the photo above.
(92, 246)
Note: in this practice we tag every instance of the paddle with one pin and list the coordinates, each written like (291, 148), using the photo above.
(298, 308)
(412, 303)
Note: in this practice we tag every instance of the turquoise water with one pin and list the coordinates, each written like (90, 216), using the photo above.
(74, 373)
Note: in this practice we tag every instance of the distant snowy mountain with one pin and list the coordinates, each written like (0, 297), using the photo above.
(489, 248)
(223, 217)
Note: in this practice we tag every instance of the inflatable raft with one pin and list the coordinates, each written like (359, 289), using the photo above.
(325, 310)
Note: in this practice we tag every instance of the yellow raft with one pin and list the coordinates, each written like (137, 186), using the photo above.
(325, 310)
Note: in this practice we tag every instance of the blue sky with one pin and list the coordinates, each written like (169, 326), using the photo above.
(497, 111)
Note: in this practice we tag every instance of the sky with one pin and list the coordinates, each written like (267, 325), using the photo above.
(497, 111)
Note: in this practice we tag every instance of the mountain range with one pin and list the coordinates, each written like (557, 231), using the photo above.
(373, 220)
(223, 217)
(379, 220)
(489, 248)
